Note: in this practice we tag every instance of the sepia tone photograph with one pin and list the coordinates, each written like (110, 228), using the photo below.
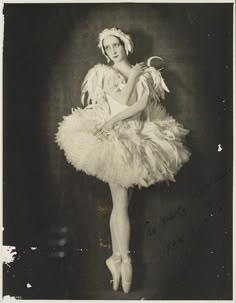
(118, 151)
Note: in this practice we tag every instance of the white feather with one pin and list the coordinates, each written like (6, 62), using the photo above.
(150, 59)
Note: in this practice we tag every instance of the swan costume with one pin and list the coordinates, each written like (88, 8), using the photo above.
(141, 150)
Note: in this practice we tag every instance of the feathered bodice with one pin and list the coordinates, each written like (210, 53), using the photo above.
(102, 79)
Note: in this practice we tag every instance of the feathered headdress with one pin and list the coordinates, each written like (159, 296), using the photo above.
(125, 38)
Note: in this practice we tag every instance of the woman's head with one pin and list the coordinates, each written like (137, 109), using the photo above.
(114, 49)
(114, 40)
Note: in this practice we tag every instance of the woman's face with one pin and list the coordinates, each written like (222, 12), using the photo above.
(114, 49)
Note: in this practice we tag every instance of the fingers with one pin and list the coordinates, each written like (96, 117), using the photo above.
(141, 65)
(102, 133)
(97, 129)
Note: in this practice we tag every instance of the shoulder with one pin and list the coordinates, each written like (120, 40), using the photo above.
(100, 78)
(98, 74)
(106, 75)
(150, 74)
(153, 79)
(145, 80)
(100, 68)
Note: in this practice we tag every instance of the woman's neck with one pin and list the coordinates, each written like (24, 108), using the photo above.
(124, 67)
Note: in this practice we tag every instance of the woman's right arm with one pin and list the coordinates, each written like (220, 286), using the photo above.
(124, 95)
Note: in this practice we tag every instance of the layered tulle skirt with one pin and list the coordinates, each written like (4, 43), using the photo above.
(135, 152)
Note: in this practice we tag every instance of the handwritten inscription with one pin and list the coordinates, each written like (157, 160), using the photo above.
(171, 245)
(180, 211)
(174, 244)
(152, 230)
(210, 184)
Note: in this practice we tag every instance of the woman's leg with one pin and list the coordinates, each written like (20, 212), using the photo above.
(115, 247)
(121, 228)
(113, 223)
(114, 262)
(119, 222)
(120, 262)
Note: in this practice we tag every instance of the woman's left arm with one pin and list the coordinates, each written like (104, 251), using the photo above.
(127, 113)
(131, 111)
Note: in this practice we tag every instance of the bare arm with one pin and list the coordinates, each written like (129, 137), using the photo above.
(131, 110)
(124, 95)
(125, 114)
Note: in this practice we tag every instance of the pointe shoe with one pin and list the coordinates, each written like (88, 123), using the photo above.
(113, 263)
(126, 274)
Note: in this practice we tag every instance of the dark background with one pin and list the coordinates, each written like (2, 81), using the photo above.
(181, 235)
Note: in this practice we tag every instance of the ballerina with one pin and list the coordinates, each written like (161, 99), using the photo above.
(124, 137)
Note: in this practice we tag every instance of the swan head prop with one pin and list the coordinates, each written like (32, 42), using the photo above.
(125, 38)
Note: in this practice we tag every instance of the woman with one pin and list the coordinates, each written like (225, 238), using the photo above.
(124, 137)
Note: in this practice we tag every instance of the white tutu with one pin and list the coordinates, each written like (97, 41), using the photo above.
(141, 150)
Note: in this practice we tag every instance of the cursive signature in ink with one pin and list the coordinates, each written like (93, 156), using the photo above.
(180, 211)
(214, 209)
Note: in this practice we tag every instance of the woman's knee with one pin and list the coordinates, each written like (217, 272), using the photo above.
(118, 191)
(119, 198)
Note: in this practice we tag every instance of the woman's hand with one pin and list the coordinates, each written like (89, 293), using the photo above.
(138, 69)
(105, 128)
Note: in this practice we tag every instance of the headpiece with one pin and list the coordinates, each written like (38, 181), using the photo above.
(126, 39)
